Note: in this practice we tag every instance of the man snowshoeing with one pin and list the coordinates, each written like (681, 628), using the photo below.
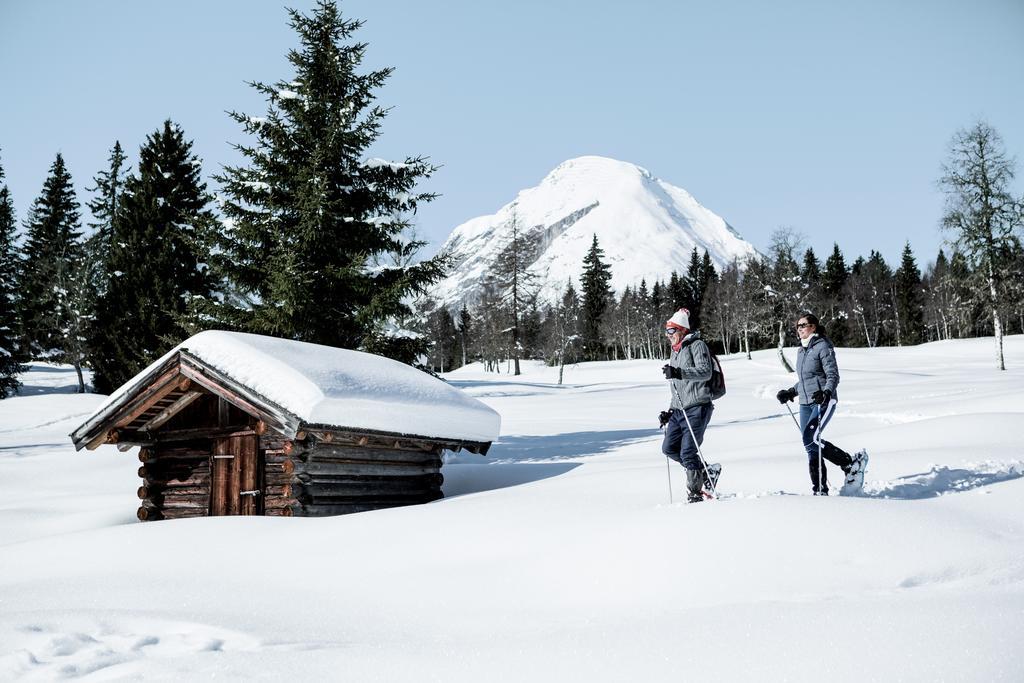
(688, 371)
(816, 385)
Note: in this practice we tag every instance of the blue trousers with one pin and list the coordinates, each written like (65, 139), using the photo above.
(813, 419)
(679, 444)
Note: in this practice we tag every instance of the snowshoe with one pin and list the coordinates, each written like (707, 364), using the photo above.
(855, 475)
(711, 476)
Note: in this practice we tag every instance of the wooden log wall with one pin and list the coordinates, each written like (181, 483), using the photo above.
(334, 473)
(175, 481)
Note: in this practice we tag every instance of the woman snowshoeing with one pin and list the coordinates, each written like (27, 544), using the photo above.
(816, 386)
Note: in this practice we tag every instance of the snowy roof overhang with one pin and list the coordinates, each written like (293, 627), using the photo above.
(291, 385)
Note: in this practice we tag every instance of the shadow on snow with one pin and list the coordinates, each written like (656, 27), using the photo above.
(940, 480)
(516, 460)
(558, 447)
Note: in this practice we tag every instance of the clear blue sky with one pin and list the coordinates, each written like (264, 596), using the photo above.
(830, 118)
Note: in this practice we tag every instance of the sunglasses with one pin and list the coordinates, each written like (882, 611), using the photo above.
(801, 326)
(671, 330)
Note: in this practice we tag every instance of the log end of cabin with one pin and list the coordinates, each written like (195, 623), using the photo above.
(148, 514)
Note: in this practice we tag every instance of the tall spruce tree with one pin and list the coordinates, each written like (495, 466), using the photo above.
(833, 283)
(465, 327)
(157, 257)
(693, 284)
(10, 351)
(909, 300)
(595, 286)
(310, 218)
(51, 255)
(108, 185)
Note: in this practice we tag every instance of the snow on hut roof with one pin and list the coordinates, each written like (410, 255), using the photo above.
(336, 387)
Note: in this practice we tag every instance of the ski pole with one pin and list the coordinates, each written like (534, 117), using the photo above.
(793, 416)
(668, 473)
(700, 454)
(820, 438)
(821, 464)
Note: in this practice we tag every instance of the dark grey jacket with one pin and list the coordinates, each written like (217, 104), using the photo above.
(694, 363)
(816, 368)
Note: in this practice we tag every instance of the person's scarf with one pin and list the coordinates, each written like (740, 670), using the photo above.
(806, 342)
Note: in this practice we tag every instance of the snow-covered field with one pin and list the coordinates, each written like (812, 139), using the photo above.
(558, 556)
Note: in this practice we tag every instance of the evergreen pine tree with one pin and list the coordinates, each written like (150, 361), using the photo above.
(10, 352)
(708, 272)
(597, 295)
(678, 294)
(108, 187)
(656, 308)
(51, 256)
(156, 259)
(833, 283)
(693, 284)
(312, 223)
(465, 325)
(699, 275)
(909, 299)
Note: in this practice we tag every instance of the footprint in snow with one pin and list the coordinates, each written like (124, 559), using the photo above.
(78, 647)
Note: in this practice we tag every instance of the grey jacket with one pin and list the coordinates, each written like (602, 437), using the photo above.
(816, 368)
(694, 362)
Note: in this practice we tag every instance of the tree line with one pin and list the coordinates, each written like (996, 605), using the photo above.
(974, 287)
(306, 239)
(309, 239)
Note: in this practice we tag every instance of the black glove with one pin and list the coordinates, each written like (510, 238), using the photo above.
(672, 372)
(663, 418)
(822, 396)
(786, 395)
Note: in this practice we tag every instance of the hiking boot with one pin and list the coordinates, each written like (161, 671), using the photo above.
(694, 483)
(855, 474)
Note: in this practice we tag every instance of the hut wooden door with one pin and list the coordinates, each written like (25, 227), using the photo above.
(235, 485)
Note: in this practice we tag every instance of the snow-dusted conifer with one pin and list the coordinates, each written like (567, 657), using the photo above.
(833, 282)
(908, 298)
(597, 296)
(51, 254)
(108, 186)
(9, 343)
(465, 327)
(308, 215)
(156, 259)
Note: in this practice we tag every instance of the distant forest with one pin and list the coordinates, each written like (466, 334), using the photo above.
(310, 239)
(745, 307)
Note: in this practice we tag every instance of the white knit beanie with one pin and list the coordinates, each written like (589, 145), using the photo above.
(680, 319)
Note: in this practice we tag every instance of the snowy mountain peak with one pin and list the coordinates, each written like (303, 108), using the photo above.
(646, 227)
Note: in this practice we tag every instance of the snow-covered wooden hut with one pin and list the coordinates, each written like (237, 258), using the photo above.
(241, 424)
